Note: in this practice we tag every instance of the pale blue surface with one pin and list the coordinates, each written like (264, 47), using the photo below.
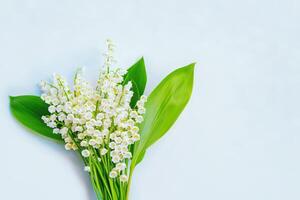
(238, 139)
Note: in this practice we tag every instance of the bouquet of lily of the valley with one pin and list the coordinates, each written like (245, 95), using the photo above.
(110, 124)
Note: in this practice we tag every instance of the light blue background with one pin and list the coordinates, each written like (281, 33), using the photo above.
(238, 138)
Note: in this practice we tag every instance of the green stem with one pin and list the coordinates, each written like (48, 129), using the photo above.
(129, 181)
(99, 171)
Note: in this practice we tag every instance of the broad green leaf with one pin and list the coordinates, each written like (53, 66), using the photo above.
(163, 107)
(28, 110)
(137, 75)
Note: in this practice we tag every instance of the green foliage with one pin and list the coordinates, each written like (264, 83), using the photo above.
(163, 107)
(28, 110)
(137, 75)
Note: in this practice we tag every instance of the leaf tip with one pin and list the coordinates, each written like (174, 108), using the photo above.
(189, 68)
(192, 65)
(140, 60)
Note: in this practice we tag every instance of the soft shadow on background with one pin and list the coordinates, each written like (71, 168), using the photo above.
(239, 135)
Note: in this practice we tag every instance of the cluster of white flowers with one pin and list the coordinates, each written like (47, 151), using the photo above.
(98, 121)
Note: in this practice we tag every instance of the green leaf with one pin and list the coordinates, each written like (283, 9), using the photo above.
(137, 75)
(163, 107)
(28, 110)
(136, 94)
